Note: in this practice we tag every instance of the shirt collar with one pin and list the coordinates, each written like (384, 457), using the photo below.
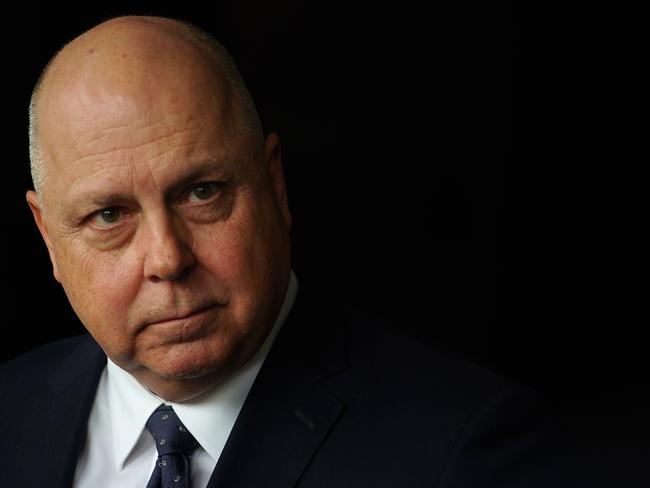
(209, 417)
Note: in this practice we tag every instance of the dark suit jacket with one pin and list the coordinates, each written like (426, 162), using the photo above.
(339, 402)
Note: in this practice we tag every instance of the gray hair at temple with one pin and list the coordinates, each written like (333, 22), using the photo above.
(191, 33)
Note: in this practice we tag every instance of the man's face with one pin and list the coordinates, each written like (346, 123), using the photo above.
(167, 226)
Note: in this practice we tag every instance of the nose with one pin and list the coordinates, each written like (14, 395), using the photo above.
(168, 256)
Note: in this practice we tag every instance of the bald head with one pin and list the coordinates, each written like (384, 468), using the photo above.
(130, 62)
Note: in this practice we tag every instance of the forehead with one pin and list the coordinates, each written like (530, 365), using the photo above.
(130, 154)
(97, 129)
(102, 94)
(88, 124)
(119, 130)
(112, 111)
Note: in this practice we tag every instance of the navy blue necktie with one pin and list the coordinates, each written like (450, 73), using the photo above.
(175, 446)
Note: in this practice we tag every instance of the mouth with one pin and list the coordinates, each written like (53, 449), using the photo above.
(184, 327)
(182, 317)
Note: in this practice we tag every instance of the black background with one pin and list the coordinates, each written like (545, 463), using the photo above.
(397, 129)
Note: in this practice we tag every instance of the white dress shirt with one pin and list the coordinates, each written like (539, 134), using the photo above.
(120, 452)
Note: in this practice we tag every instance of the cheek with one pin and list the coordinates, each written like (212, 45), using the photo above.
(100, 288)
(226, 252)
(238, 255)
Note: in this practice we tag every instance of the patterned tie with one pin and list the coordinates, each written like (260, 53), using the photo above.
(175, 445)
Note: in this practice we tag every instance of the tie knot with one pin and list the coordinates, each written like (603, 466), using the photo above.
(169, 433)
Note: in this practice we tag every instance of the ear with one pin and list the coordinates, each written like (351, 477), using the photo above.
(37, 212)
(273, 155)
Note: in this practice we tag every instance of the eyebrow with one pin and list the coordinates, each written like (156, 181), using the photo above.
(103, 199)
(202, 169)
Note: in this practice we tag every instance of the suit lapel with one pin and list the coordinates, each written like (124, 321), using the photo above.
(284, 420)
(64, 416)
(287, 413)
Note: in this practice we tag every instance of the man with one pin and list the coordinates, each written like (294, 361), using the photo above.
(164, 211)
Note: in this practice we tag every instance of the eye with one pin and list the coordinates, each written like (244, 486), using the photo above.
(203, 191)
(106, 217)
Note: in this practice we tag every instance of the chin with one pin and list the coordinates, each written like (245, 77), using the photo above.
(190, 362)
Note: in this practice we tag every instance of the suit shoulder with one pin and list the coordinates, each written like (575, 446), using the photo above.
(411, 368)
(41, 360)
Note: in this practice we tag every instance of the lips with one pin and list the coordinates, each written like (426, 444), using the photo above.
(180, 328)
(182, 316)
